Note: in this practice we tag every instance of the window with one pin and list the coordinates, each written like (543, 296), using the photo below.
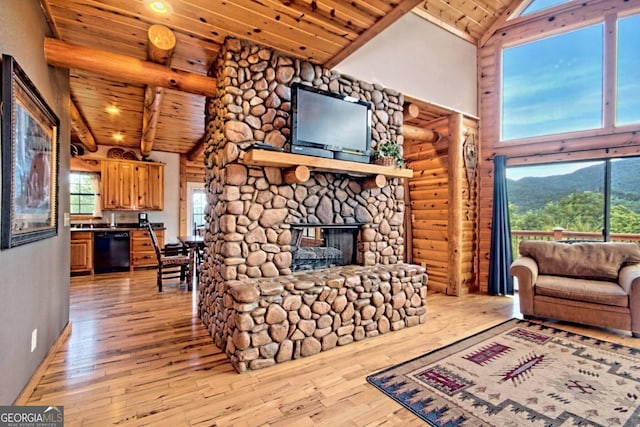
(553, 85)
(538, 5)
(628, 84)
(198, 206)
(579, 197)
(84, 188)
(565, 195)
(625, 196)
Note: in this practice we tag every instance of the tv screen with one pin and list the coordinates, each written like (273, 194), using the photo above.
(331, 121)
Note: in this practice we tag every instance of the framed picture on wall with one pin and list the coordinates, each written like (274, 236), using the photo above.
(30, 150)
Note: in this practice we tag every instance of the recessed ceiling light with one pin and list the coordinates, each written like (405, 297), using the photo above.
(117, 136)
(159, 6)
(112, 109)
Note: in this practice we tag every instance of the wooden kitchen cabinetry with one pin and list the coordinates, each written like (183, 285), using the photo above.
(129, 185)
(82, 252)
(142, 252)
(154, 195)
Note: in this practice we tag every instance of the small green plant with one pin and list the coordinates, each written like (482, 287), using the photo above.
(388, 148)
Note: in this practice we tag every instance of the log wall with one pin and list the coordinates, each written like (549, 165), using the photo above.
(443, 206)
(596, 144)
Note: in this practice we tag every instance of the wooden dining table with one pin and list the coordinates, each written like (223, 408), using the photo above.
(194, 243)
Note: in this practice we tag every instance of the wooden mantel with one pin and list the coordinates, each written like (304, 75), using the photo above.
(287, 160)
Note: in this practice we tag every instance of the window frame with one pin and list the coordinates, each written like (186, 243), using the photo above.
(534, 33)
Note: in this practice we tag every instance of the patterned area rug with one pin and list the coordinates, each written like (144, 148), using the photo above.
(520, 373)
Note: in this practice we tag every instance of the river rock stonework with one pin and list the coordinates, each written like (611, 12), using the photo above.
(246, 273)
(300, 315)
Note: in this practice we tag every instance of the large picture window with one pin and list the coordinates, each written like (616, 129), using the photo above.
(570, 82)
(594, 200)
(553, 85)
(628, 81)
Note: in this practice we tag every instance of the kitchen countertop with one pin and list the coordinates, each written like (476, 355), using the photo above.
(122, 227)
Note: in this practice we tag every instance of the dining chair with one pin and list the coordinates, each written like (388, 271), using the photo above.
(171, 264)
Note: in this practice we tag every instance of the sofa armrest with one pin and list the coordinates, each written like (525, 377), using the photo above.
(629, 280)
(526, 271)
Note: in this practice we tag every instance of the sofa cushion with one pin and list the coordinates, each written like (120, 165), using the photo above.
(594, 291)
(591, 260)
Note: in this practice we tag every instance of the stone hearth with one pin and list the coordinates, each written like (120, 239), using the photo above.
(247, 271)
(299, 315)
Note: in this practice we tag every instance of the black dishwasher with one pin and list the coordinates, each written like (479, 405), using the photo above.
(110, 251)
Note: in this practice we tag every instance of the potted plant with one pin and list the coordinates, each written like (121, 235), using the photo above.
(387, 153)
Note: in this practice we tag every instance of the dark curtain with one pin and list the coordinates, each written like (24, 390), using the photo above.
(500, 257)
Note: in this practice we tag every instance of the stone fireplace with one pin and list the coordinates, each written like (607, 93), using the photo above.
(255, 306)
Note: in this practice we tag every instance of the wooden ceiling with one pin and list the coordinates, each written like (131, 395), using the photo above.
(321, 31)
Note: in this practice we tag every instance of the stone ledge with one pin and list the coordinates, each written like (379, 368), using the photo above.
(273, 320)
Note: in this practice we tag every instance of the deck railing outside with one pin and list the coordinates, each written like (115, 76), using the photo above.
(560, 234)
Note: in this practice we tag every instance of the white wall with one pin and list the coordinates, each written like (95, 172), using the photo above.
(34, 278)
(170, 214)
(421, 60)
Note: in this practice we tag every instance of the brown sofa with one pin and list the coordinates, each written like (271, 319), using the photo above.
(593, 283)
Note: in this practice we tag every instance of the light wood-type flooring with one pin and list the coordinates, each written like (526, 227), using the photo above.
(136, 357)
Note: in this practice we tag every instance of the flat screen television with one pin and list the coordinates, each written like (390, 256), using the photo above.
(327, 124)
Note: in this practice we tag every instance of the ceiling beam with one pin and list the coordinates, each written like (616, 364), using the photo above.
(197, 150)
(401, 9)
(126, 69)
(79, 126)
(160, 45)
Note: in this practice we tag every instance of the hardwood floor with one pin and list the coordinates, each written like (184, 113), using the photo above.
(137, 357)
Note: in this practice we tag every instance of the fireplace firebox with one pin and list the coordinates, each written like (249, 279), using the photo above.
(316, 246)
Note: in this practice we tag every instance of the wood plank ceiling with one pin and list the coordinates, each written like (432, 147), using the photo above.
(321, 31)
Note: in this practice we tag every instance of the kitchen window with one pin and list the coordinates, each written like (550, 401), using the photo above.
(84, 194)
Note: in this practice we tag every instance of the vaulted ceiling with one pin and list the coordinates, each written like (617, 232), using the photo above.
(322, 31)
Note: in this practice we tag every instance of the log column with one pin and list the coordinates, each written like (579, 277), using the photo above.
(160, 45)
(456, 180)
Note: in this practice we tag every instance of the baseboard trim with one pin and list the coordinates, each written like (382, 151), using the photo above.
(31, 385)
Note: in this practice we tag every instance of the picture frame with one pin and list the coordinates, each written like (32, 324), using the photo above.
(30, 160)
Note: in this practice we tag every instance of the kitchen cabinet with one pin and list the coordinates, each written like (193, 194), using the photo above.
(142, 252)
(149, 180)
(82, 251)
(129, 185)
